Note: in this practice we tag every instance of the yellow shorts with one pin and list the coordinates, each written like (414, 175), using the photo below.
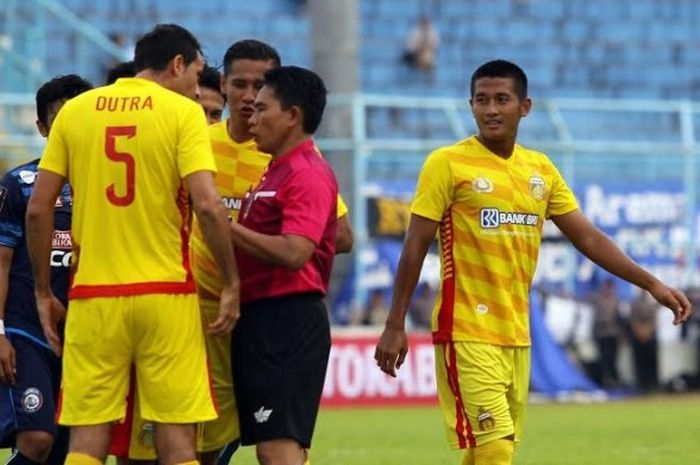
(482, 390)
(160, 334)
(211, 435)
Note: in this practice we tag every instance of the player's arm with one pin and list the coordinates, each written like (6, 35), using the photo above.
(305, 210)
(392, 346)
(290, 251)
(214, 223)
(39, 225)
(600, 249)
(344, 240)
(7, 352)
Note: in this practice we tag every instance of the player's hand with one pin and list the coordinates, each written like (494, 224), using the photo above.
(674, 300)
(229, 311)
(8, 363)
(51, 313)
(391, 350)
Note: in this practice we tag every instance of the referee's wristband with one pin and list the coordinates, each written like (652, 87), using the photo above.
(2, 327)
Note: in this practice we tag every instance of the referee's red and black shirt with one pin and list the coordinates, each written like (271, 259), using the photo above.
(296, 196)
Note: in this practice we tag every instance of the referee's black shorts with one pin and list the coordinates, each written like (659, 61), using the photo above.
(280, 349)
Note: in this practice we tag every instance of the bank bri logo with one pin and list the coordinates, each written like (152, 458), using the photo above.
(489, 218)
(492, 218)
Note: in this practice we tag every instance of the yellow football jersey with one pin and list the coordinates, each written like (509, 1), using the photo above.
(240, 167)
(125, 149)
(491, 212)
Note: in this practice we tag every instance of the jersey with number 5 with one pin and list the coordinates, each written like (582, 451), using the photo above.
(125, 149)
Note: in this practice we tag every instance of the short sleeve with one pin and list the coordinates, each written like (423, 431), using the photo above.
(56, 156)
(561, 198)
(306, 206)
(194, 147)
(435, 189)
(342, 208)
(12, 210)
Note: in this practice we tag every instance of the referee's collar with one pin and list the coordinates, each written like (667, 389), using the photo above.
(303, 147)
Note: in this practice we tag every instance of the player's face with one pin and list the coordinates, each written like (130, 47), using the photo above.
(213, 104)
(187, 78)
(51, 112)
(497, 109)
(270, 124)
(241, 84)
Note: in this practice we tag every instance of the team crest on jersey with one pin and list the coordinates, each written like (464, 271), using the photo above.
(538, 189)
(27, 177)
(482, 184)
(32, 400)
(486, 420)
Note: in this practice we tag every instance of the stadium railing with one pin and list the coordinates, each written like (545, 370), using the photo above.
(381, 139)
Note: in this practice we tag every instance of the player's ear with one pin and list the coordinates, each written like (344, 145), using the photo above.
(177, 65)
(525, 106)
(41, 127)
(296, 116)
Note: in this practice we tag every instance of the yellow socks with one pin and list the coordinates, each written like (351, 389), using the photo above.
(468, 458)
(191, 462)
(498, 452)
(77, 458)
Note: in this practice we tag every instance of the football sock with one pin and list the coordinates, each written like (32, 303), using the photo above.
(77, 458)
(498, 452)
(191, 462)
(468, 458)
(18, 458)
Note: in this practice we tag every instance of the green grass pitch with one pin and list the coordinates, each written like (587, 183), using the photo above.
(653, 431)
(660, 431)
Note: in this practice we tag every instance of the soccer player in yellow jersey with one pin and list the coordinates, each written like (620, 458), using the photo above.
(132, 152)
(489, 197)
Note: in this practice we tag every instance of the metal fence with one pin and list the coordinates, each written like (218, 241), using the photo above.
(375, 140)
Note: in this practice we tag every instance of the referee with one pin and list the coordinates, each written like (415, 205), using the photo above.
(284, 241)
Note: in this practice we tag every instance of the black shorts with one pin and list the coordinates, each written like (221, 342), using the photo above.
(30, 404)
(280, 349)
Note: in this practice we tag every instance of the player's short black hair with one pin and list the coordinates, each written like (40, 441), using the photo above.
(156, 48)
(121, 70)
(294, 86)
(59, 88)
(210, 78)
(250, 49)
(502, 69)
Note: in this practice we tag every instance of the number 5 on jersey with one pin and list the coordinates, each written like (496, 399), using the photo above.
(111, 134)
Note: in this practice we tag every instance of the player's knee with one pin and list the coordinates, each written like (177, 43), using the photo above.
(35, 445)
(498, 452)
(276, 453)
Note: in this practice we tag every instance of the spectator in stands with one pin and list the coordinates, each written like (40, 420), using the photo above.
(421, 47)
(422, 306)
(607, 331)
(644, 341)
(377, 309)
(30, 373)
(489, 198)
